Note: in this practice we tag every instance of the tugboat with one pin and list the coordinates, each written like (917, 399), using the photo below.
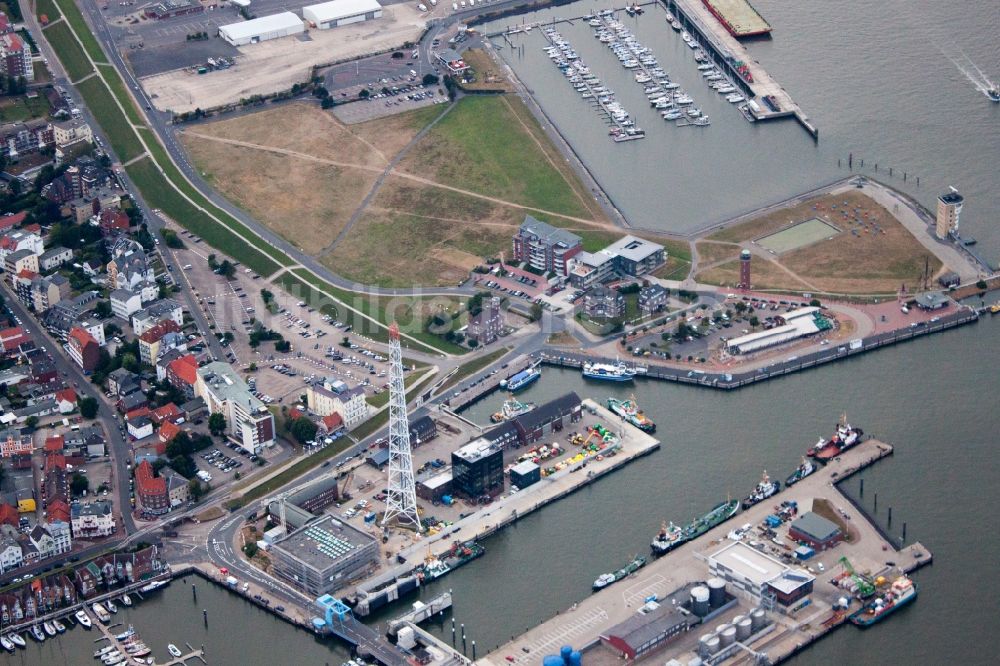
(902, 592)
(766, 488)
(803, 470)
(843, 439)
(607, 579)
(670, 537)
(629, 411)
(511, 408)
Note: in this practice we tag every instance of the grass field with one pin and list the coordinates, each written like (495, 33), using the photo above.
(118, 128)
(486, 146)
(873, 253)
(798, 236)
(72, 57)
(118, 89)
(19, 109)
(47, 7)
(72, 14)
(488, 75)
(470, 368)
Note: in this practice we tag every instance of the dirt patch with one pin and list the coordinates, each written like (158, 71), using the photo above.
(391, 134)
(489, 76)
(308, 201)
(562, 339)
(766, 275)
(712, 253)
(212, 513)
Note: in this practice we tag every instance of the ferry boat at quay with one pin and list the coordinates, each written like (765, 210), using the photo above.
(609, 372)
(521, 379)
(901, 592)
(629, 411)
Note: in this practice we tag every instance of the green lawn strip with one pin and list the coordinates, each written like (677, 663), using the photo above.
(382, 398)
(19, 109)
(118, 128)
(48, 8)
(72, 14)
(118, 88)
(72, 57)
(496, 156)
(245, 234)
(376, 307)
(315, 459)
(158, 194)
(470, 368)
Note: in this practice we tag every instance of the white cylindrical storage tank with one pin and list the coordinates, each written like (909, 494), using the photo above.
(712, 645)
(722, 627)
(728, 636)
(717, 592)
(736, 620)
(744, 628)
(703, 644)
(758, 620)
(699, 601)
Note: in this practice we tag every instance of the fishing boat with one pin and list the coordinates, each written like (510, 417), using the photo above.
(766, 488)
(101, 614)
(803, 470)
(611, 372)
(50, 629)
(60, 627)
(669, 537)
(84, 619)
(126, 600)
(521, 379)
(629, 411)
(155, 585)
(37, 633)
(17, 639)
(900, 593)
(511, 408)
(173, 650)
(607, 579)
(718, 515)
(7, 644)
(110, 605)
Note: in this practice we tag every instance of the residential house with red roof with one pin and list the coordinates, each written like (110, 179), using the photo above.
(83, 349)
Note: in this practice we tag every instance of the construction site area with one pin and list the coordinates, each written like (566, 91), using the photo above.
(755, 589)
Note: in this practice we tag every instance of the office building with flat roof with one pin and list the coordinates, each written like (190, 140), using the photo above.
(322, 556)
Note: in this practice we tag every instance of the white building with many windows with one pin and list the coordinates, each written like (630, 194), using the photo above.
(92, 520)
(248, 421)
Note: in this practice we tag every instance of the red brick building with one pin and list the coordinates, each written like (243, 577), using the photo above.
(151, 489)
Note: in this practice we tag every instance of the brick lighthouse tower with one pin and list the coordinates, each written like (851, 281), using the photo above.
(744, 269)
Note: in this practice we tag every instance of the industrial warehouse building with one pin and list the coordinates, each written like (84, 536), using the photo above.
(320, 557)
(341, 12)
(815, 530)
(798, 324)
(262, 29)
(759, 575)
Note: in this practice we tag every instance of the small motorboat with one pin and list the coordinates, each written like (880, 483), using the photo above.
(126, 600)
(173, 650)
(7, 644)
(110, 605)
(84, 619)
(17, 639)
(107, 649)
(60, 627)
(37, 633)
(50, 629)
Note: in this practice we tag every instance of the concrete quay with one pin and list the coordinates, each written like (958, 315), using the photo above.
(511, 507)
(867, 549)
(717, 42)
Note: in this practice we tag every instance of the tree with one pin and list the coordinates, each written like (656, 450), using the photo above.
(217, 423)
(536, 311)
(197, 490)
(250, 549)
(78, 483)
(31, 423)
(88, 407)
(171, 239)
(981, 285)
(431, 79)
(815, 303)
(754, 322)
(103, 309)
(327, 103)
(302, 429)
(365, 93)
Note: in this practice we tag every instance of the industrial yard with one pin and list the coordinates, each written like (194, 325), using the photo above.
(807, 588)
